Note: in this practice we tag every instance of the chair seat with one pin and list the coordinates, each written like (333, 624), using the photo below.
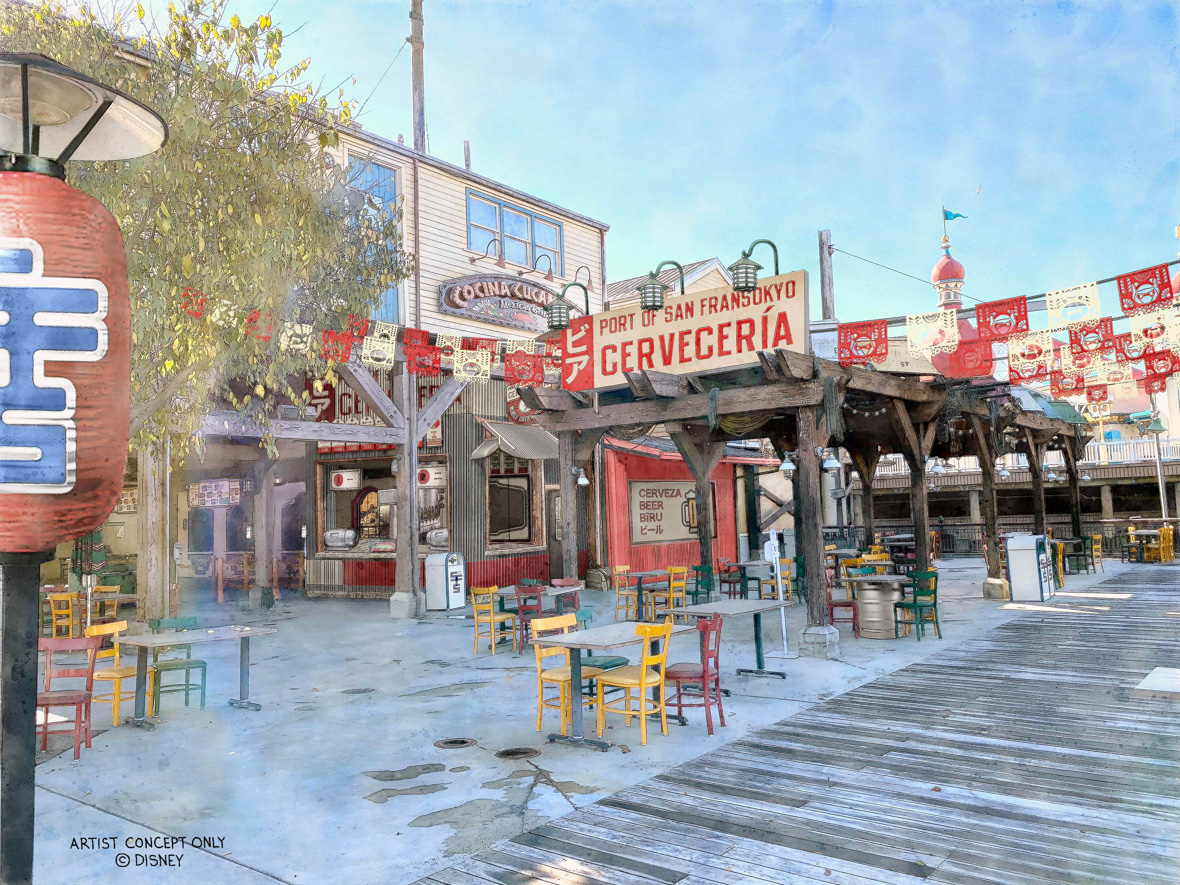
(684, 672)
(123, 671)
(628, 677)
(562, 674)
(605, 662)
(501, 616)
(179, 664)
(62, 697)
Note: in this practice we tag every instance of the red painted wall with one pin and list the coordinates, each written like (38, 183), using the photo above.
(620, 467)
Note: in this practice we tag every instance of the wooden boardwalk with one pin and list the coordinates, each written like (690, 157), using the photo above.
(1017, 757)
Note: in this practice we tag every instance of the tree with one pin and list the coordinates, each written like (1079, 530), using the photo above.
(247, 204)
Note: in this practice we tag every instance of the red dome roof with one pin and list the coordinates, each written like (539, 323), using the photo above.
(947, 270)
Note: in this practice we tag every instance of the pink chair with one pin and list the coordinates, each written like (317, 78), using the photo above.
(528, 606)
(706, 674)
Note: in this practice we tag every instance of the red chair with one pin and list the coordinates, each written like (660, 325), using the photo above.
(848, 603)
(729, 578)
(706, 674)
(528, 606)
(571, 602)
(77, 698)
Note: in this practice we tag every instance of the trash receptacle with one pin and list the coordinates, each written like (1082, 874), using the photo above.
(446, 581)
(1030, 568)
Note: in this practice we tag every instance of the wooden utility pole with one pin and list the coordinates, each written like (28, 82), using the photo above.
(809, 536)
(827, 290)
(987, 498)
(567, 476)
(418, 77)
(917, 440)
(152, 563)
(865, 462)
(407, 588)
(1036, 465)
(702, 455)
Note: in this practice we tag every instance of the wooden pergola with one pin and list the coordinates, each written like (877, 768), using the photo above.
(799, 403)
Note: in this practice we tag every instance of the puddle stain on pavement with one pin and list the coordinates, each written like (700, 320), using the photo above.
(405, 774)
(446, 691)
(382, 796)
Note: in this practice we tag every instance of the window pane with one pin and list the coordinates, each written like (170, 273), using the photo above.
(509, 508)
(545, 234)
(478, 239)
(516, 251)
(516, 224)
(482, 213)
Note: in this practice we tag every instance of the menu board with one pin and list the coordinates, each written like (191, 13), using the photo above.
(663, 511)
(215, 493)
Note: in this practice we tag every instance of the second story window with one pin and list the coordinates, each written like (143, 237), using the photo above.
(380, 183)
(526, 236)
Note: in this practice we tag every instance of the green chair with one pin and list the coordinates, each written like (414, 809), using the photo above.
(175, 665)
(531, 582)
(922, 606)
(800, 579)
(702, 583)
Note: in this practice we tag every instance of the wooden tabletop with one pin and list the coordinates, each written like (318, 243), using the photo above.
(184, 637)
(754, 563)
(510, 592)
(843, 551)
(604, 638)
(654, 573)
(729, 608)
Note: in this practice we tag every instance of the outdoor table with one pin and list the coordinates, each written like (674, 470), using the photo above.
(639, 578)
(145, 641)
(1140, 538)
(605, 638)
(1080, 544)
(875, 595)
(744, 568)
(733, 608)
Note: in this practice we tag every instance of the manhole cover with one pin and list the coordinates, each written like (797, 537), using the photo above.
(357, 690)
(518, 753)
(454, 743)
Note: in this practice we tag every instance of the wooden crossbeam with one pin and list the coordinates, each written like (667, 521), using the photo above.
(361, 380)
(231, 424)
(436, 406)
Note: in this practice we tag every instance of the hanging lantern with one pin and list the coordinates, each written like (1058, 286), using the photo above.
(651, 293)
(557, 312)
(62, 461)
(745, 274)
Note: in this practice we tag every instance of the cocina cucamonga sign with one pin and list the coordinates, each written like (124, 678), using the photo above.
(505, 301)
(698, 332)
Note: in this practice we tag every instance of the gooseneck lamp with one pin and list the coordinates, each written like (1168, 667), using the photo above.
(557, 311)
(651, 290)
(745, 270)
(65, 344)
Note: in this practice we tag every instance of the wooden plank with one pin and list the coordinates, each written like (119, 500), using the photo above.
(446, 394)
(361, 380)
(223, 424)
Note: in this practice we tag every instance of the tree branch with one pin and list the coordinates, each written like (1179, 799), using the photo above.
(141, 412)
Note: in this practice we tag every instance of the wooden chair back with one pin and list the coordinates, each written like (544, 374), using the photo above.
(548, 627)
(853, 563)
(710, 630)
(1096, 546)
(483, 600)
(677, 578)
(104, 601)
(61, 605)
(113, 630)
(921, 578)
(88, 643)
(620, 576)
(158, 624)
(528, 601)
(565, 582)
(703, 576)
(661, 633)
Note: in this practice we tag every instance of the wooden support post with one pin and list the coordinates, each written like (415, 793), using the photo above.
(264, 483)
(1075, 490)
(702, 455)
(753, 508)
(866, 467)
(917, 441)
(987, 500)
(567, 476)
(407, 600)
(1036, 463)
(152, 561)
(809, 536)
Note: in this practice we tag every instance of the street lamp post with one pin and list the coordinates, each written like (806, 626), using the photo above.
(557, 311)
(1155, 428)
(65, 345)
(745, 271)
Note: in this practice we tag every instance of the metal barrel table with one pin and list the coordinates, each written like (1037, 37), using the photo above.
(875, 595)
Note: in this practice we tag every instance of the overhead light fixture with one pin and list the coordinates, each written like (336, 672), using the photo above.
(557, 311)
(651, 290)
(582, 479)
(589, 278)
(745, 271)
(1004, 472)
(937, 468)
(788, 466)
(499, 253)
(830, 463)
(1085, 477)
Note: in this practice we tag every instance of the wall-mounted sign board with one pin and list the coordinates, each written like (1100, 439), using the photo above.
(698, 332)
(492, 298)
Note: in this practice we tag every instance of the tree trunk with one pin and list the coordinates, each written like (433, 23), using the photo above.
(809, 536)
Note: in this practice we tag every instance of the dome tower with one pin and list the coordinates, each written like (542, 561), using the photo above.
(947, 277)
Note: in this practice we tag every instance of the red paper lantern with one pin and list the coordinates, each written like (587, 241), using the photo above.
(63, 453)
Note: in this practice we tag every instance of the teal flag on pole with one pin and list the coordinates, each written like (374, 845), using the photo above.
(948, 215)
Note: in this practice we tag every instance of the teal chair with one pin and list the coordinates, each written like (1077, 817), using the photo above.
(702, 583)
(921, 607)
(187, 664)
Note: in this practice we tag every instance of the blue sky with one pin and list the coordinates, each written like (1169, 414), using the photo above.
(693, 128)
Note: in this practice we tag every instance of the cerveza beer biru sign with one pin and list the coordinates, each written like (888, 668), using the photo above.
(697, 332)
(503, 300)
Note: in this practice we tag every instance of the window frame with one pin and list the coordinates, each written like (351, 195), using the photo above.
(534, 217)
(391, 205)
(535, 474)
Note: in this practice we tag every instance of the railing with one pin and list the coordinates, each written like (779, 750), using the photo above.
(962, 538)
(1118, 451)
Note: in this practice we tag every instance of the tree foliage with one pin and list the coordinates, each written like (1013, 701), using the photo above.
(246, 203)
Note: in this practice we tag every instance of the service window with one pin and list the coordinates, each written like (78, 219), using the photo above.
(512, 486)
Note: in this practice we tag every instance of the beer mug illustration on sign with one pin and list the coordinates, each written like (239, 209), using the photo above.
(688, 512)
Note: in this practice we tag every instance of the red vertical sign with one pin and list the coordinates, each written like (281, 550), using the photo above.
(577, 363)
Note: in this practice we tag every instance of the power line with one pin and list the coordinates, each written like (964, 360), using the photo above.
(379, 79)
(895, 270)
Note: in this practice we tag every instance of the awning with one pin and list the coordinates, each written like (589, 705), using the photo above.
(518, 440)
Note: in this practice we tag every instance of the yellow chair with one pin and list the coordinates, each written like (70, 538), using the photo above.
(676, 589)
(768, 587)
(626, 596)
(499, 624)
(1096, 551)
(876, 548)
(104, 602)
(117, 672)
(1059, 563)
(63, 614)
(640, 679)
(559, 676)
(879, 561)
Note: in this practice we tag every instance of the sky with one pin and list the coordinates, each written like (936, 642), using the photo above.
(694, 128)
